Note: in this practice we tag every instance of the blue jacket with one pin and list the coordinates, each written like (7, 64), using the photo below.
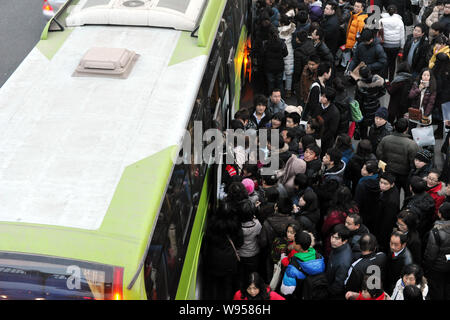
(312, 267)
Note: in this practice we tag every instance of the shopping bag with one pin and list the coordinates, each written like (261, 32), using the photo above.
(423, 136)
(276, 275)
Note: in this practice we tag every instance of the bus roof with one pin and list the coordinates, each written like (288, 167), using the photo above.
(85, 159)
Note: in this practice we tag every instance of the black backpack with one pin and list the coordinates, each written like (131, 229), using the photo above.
(313, 287)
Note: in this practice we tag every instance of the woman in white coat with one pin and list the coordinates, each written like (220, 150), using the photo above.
(412, 274)
(392, 36)
(286, 29)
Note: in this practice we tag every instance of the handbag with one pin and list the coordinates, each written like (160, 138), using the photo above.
(423, 136)
(234, 248)
(414, 114)
(276, 276)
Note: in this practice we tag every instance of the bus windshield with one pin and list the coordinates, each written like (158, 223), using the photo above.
(31, 277)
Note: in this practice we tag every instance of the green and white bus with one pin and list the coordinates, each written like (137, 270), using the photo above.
(92, 205)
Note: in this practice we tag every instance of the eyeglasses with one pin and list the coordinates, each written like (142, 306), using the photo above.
(432, 179)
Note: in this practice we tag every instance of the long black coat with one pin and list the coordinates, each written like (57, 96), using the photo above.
(367, 196)
(274, 52)
(388, 208)
(331, 120)
(301, 55)
(398, 91)
(330, 26)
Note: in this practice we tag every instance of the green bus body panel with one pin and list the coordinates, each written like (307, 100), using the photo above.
(186, 49)
(122, 238)
(210, 22)
(187, 284)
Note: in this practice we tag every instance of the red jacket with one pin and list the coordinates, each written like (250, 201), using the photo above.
(438, 199)
(381, 297)
(272, 295)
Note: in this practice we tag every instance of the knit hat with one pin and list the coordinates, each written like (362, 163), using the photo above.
(424, 156)
(249, 185)
(382, 112)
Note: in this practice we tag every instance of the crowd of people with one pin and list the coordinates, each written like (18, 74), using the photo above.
(358, 207)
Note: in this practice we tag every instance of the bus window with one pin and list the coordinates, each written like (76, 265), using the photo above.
(32, 277)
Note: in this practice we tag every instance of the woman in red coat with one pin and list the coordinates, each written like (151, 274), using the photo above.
(343, 205)
(256, 289)
(436, 190)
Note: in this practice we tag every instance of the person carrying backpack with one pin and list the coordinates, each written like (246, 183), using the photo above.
(305, 278)
(437, 256)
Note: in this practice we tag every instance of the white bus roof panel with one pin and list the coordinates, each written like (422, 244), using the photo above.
(176, 14)
(65, 140)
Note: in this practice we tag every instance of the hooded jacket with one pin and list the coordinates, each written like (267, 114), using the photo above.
(393, 30)
(315, 11)
(398, 92)
(368, 94)
(286, 33)
(444, 49)
(293, 167)
(308, 262)
(309, 215)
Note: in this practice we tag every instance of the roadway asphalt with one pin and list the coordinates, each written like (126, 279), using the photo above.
(21, 24)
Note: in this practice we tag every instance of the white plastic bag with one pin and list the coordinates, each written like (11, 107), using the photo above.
(276, 275)
(423, 136)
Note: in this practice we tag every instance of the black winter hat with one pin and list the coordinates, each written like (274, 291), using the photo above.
(382, 112)
(444, 209)
(424, 156)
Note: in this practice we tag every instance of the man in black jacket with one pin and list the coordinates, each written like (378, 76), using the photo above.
(357, 229)
(330, 115)
(369, 51)
(416, 49)
(339, 262)
(436, 256)
(371, 263)
(387, 210)
(322, 49)
(422, 204)
(400, 256)
(330, 27)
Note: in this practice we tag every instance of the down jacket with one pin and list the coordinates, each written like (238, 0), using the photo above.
(286, 33)
(398, 151)
(434, 256)
(393, 30)
(373, 56)
(354, 27)
(307, 262)
(368, 95)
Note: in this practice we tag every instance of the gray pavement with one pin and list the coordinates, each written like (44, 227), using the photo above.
(21, 24)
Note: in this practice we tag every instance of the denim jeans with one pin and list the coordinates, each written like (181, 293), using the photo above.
(274, 80)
